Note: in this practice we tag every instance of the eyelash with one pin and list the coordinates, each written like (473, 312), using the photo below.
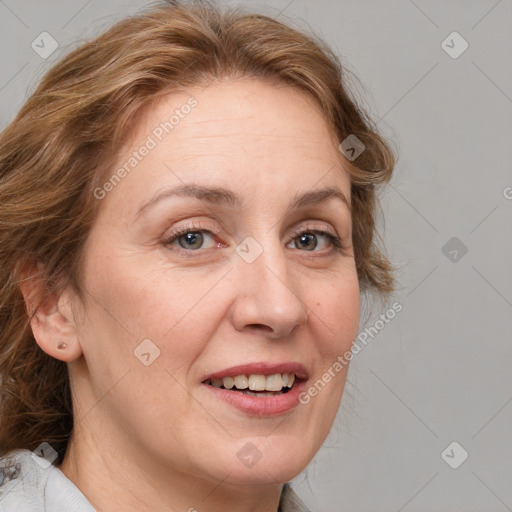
(335, 240)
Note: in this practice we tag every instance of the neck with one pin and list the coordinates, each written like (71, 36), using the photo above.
(113, 478)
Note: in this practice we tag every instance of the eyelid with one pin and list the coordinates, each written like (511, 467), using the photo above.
(312, 227)
(205, 225)
(193, 226)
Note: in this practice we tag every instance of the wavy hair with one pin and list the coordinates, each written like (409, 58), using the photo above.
(63, 140)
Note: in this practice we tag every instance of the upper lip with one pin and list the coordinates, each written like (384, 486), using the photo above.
(261, 368)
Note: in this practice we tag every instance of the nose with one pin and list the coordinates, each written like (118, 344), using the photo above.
(268, 298)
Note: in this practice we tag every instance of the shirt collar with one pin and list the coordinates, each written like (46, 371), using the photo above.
(290, 502)
(50, 490)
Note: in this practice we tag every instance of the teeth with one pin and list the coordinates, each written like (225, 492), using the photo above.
(228, 382)
(274, 382)
(256, 382)
(241, 382)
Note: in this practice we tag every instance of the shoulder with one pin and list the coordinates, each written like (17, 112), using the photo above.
(29, 482)
(21, 482)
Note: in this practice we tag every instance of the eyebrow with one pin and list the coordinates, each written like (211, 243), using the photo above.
(227, 198)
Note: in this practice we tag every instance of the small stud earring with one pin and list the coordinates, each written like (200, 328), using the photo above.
(62, 345)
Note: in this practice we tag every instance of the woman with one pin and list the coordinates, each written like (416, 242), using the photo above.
(188, 220)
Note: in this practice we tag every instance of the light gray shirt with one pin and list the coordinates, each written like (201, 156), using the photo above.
(29, 483)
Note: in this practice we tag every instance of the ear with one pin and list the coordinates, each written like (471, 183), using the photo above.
(53, 324)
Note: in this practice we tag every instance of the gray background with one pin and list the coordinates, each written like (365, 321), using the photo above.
(440, 370)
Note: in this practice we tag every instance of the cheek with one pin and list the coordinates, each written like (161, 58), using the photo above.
(336, 311)
(177, 312)
(334, 327)
(162, 304)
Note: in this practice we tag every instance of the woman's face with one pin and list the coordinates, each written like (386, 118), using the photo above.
(250, 287)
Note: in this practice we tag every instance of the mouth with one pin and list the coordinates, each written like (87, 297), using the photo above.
(257, 385)
(260, 389)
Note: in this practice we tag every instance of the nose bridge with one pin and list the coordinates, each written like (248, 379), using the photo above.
(266, 294)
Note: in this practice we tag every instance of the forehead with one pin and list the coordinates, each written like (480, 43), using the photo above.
(270, 140)
(248, 111)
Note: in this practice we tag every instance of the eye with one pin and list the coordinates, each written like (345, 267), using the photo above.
(308, 239)
(190, 238)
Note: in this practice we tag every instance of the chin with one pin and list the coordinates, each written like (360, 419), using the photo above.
(268, 474)
(275, 462)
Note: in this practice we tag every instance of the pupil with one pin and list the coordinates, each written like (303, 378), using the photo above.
(193, 237)
(302, 237)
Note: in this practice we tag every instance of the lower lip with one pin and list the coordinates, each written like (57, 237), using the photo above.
(261, 406)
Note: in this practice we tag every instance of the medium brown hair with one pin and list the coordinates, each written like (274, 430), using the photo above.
(65, 138)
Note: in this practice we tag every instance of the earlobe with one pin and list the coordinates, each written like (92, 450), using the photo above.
(51, 316)
(61, 350)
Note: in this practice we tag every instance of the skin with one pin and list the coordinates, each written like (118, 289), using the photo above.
(151, 437)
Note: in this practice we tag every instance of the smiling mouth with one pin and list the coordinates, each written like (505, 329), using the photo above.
(256, 384)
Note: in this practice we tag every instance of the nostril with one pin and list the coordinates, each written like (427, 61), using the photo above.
(260, 326)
